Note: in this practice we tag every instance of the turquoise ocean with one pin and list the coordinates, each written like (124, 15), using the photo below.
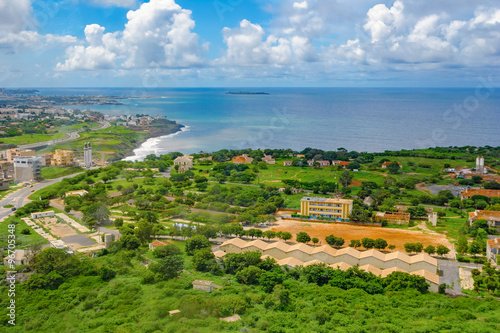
(361, 119)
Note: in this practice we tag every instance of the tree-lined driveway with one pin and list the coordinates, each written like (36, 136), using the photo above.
(19, 198)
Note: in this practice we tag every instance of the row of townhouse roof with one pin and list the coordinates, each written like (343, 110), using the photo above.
(291, 262)
(431, 278)
(330, 256)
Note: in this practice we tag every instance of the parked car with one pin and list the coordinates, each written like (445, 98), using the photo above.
(13, 209)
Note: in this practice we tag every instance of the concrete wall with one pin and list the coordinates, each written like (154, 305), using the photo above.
(417, 266)
(208, 289)
(277, 253)
(347, 255)
(42, 214)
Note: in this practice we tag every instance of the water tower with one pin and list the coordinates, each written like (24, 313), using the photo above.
(480, 165)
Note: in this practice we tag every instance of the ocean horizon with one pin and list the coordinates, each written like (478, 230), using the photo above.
(361, 119)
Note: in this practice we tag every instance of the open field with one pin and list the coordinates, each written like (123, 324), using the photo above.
(449, 226)
(436, 165)
(397, 237)
(52, 172)
(116, 139)
(28, 138)
(22, 241)
(53, 134)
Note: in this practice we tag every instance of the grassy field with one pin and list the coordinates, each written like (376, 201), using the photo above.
(448, 226)
(436, 165)
(275, 173)
(53, 134)
(32, 138)
(52, 172)
(114, 141)
(71, 128)
(22, 241)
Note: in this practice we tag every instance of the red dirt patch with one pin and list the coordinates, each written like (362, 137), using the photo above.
(355, 183)
(397, 237)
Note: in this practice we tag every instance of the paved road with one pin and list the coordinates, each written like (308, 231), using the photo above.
(70, 136)
(434, 189)
(450, 274)
(20, 198)
(81, 240)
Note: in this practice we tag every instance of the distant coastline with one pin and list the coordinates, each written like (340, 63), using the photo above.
(360, 119)
(246, 93)
(147, 147)
(153, 133)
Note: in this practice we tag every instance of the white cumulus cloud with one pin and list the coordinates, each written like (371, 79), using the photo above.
(15, 18)
(97, 55)
(158, 34)
(289, 44)
(14, 15)
(301, 5)
(382, 21)
(248, 45)
(397, 37)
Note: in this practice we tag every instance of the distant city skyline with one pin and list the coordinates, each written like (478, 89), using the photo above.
(246, 43)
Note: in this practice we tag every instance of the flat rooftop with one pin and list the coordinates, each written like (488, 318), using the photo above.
(327, 200)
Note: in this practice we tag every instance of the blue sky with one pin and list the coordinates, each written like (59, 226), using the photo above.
(191, 43)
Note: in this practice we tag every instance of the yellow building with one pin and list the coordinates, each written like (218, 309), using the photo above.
(330, 208)
(11, 153)
(63, 157)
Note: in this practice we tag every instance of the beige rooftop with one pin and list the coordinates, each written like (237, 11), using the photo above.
(374, 261)
(264, 247)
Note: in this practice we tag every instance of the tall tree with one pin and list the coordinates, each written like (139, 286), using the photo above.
(368, 243)
(430, 250)
(96, 212)
(355, 243)
(346, 178)
(475, 247)
(462, 244)
(204, 260)
(442, 250)
(285, 235)
(144, 231)
(380, 244)
(168, 267)
(303, 237)
(197, 242)
(393, 168)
